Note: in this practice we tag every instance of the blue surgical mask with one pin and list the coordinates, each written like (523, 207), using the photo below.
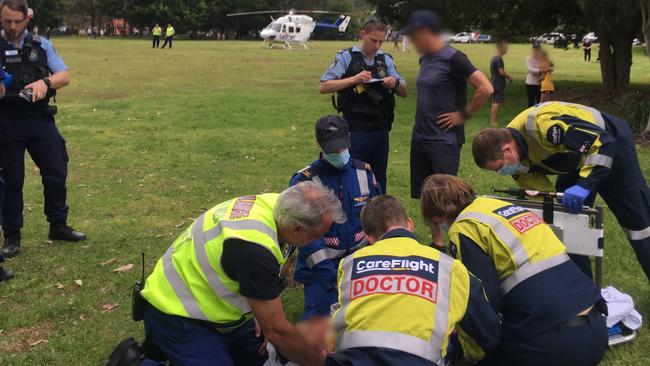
(338, 160)
(509, 169)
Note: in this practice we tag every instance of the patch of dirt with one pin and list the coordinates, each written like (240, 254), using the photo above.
(21, 339)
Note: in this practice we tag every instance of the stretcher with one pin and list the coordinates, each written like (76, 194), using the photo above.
(581, 233)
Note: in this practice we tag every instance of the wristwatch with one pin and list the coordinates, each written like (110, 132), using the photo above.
(47, 82)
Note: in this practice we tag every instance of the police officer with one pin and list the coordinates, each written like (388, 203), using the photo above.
(591, 151)
(27, 123)
(156, 32)
(353, 183)
(365, 80)
(400, 300)
(4, 274)
(552, 313)
(169, 36)
(224, 270)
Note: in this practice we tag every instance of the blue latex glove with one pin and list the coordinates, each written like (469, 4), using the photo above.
(574, 197)
(8, 78)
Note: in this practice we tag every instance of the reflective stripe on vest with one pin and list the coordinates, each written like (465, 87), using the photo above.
(324, 254)
(525, 268)
(364, 187)
(528, 270)
(514, 244)
(637, 234)
(430, 350)
(182, 292)
(200, 238)
(531, 126)
(599, 159)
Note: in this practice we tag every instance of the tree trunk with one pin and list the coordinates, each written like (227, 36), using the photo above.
(607, 63)
(645, 14)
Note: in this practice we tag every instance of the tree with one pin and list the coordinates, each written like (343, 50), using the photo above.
(616, 23)
(47, 13)
(645, 15)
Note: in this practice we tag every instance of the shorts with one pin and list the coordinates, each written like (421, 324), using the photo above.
(499, 96)
(432, 158)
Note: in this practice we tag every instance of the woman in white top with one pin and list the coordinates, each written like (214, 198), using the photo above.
(533, 75)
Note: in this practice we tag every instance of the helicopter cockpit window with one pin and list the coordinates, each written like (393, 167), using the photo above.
(275, 26)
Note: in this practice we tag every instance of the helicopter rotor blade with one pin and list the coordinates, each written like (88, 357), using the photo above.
(256, 12)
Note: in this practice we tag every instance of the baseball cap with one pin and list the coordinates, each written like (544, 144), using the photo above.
(422, 19)
(332, 133)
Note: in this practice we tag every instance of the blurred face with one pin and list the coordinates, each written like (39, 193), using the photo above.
(537, 53)
(371, 42)
(422, 39)
(299, 236)
(503, 48)
(13, 22)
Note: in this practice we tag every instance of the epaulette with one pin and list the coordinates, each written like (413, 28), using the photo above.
(309, 171)
(358, 164)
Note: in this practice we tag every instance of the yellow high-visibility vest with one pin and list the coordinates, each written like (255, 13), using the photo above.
(157, 31)
(401, 295)
(520, 244)
(189, 281)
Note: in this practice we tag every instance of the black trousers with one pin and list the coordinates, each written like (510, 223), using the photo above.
(41, 138)
(582, 345)
(588, 55)
(168, 40)
(156, 41)
(432, 158)
(534, 94)
(372, 147)
(626, 193)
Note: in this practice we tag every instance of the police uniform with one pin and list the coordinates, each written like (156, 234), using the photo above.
(317, 263)
(529, 279)
(593, 150)
(368, 108)
(30, 126)
(196, 311)
(4, 275)
(400, 302)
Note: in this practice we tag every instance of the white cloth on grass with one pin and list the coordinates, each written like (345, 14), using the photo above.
(621, 309)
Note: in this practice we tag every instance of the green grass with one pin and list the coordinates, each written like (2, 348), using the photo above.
(157, 136)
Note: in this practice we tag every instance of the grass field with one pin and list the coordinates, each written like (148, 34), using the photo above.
(157, 136)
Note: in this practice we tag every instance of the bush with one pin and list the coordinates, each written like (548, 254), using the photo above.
(640, 114)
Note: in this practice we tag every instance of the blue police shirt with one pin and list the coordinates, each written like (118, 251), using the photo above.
(342, 60)
(354, 185)
(54, 61)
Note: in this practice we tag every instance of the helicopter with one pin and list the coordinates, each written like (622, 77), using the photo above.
(295, 29)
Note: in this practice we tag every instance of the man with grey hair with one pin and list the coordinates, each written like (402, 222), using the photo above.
(223, 273)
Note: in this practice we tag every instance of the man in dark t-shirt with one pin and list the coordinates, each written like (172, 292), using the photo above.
(442, 107)
(499, 76)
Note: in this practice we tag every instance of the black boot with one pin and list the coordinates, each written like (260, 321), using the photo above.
(65, 233)
(11, 246)
(5, 275)
(127, 353)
